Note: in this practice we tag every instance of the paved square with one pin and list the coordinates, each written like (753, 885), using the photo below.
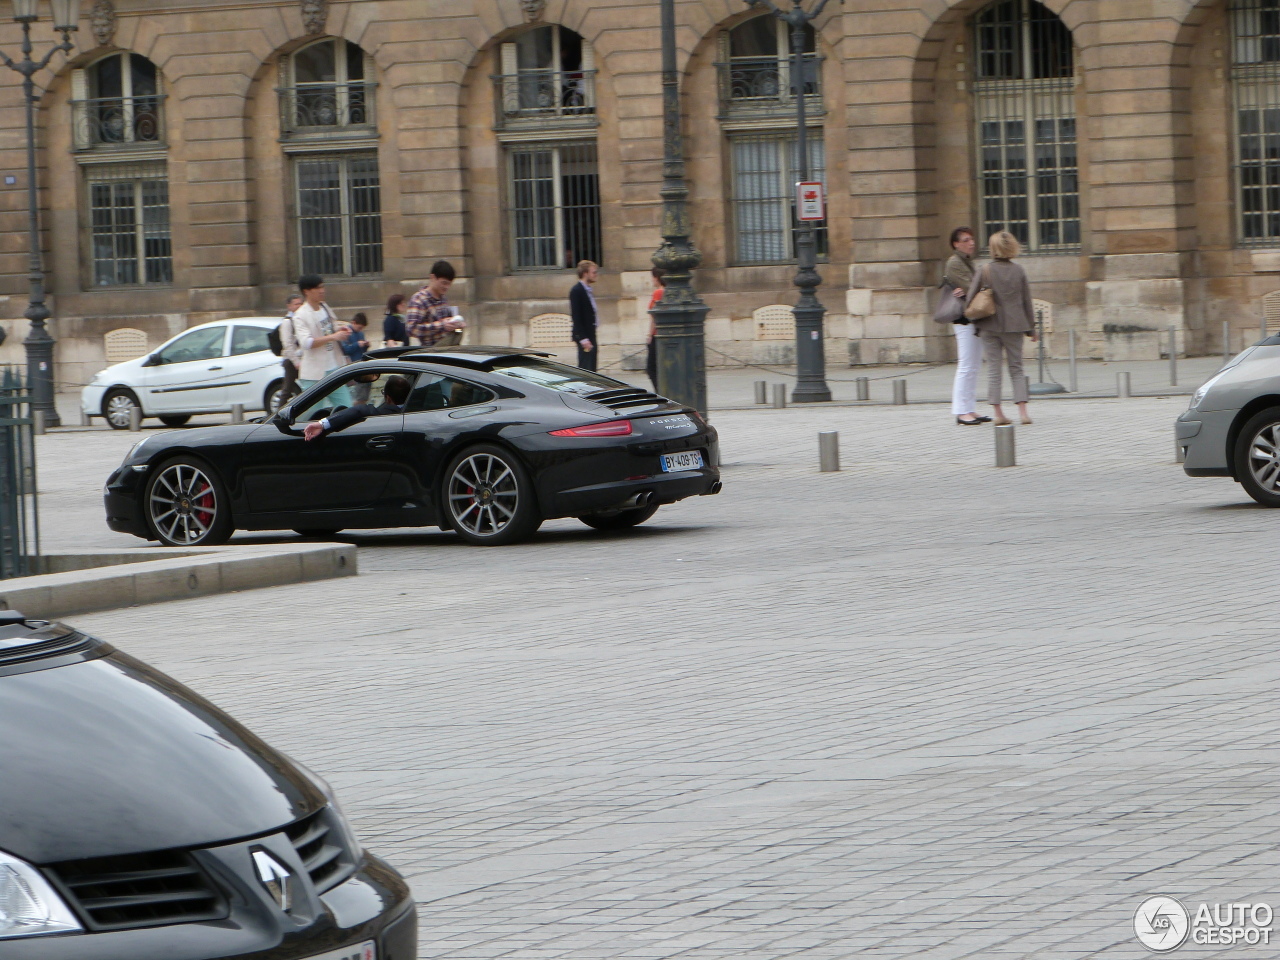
(922, 707)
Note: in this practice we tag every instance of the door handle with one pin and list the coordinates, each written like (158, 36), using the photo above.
(379, 443)
(215, 368)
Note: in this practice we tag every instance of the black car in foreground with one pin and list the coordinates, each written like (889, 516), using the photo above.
(140, 822)
(486, 441)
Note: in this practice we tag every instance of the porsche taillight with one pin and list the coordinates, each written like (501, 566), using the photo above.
(610, 428)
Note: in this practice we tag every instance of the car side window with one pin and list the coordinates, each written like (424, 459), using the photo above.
(366, 387)
(434, 391)
(249, 340)
(203, 344)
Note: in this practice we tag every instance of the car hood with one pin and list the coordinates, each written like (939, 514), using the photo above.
(110, 756)
(118, 372)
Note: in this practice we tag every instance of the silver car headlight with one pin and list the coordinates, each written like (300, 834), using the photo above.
(29, 906)
(1200, 394)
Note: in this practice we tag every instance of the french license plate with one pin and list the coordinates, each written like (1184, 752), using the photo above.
(357, 951)
(688, 460)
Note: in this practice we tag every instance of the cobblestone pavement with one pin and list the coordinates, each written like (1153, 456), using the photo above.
(922, 707)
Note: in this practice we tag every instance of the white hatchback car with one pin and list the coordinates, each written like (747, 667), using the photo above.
(206, 369)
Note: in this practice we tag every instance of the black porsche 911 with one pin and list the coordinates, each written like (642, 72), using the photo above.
(488, 442)
(140, 822)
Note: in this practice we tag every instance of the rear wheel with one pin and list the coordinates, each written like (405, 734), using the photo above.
(187, 505)
(117, 406)
(1257, 457)
(619, 520)
(488, 497)
(175, 420)
(277, 396)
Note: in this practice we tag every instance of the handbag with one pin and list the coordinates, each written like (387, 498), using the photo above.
(983, 304)
(950, 308)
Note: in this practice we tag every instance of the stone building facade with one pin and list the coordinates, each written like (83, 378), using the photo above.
(195, 157)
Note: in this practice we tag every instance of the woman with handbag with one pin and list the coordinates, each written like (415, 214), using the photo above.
(999, 305)
(956, 277)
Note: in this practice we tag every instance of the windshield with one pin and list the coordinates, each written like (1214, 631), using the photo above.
(555, 376)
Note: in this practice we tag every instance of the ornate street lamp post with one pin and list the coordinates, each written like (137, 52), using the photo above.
(680, 315)
(38, 344)
(811, 376)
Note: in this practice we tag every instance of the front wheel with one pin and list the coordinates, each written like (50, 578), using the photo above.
(621, 520)
(1257, 457)
(187, 505)
(489, 498)
(118, 406)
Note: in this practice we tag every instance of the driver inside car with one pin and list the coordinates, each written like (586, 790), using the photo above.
(395, 392)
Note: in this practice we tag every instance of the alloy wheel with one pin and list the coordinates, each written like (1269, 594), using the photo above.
(118, 410)
(183, 504)
(484, 494)
(1264, 458)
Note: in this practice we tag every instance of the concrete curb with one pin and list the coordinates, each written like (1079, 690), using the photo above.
(197, 574)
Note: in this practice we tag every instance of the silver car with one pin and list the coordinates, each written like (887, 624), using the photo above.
(1232, 428)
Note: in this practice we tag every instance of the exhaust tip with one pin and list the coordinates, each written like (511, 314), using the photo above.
(716, 488)
(642, 499)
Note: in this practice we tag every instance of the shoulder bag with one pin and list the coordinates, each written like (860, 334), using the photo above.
(950, 308)
(983, 304)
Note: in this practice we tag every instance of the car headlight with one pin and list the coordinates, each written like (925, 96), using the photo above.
(96, 378)
(343, 823)
(1200, 394)
(29, 906)
(1204, 389)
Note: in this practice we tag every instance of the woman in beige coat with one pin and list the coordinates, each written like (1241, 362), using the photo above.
(1004, 331)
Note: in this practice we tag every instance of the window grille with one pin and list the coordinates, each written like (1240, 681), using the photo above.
(764, 177)
(129, 233)
(1024, 105)
(551, 331)
(1255, 76)
(775, 322)
(124, 343)
(339, 214)
(554, 205)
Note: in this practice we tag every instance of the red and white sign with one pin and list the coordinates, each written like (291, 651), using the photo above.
(810, 203)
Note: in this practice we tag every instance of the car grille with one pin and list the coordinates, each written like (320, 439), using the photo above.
(322, 850)
(625, 398)
(139, 890)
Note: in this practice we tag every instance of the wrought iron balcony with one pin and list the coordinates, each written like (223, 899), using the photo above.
(118, 122)
(327, 109)
(533, 98)
(761, 87)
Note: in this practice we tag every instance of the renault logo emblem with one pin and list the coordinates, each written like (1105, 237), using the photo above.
(275, 877)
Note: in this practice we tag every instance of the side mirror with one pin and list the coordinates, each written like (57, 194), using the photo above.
(153, 361)
(283, 419)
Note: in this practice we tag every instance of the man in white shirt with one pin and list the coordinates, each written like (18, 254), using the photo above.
(317, 332)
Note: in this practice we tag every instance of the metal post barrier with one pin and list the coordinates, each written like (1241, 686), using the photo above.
(1173, 356)
(135, 419)
(1006, 454)
(899, 392)
(828, 452)
(1262, 326)
(762, 391)
(1226, 341)
(37, 422)
(82, 418)
(779, 395)
(237, 413)
(864, 388)
(1071, 359)
(1123, 385)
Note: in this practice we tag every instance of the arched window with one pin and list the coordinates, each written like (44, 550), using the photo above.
(1255, 81)
(117, 110)
(117, 100)
(757, 113)
(1024, 104)
(327, 85)
(328, 128)
(546, 106)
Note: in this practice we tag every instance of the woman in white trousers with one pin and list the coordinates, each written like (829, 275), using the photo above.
(959, 273)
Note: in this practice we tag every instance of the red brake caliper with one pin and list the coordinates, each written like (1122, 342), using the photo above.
(205, 500)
